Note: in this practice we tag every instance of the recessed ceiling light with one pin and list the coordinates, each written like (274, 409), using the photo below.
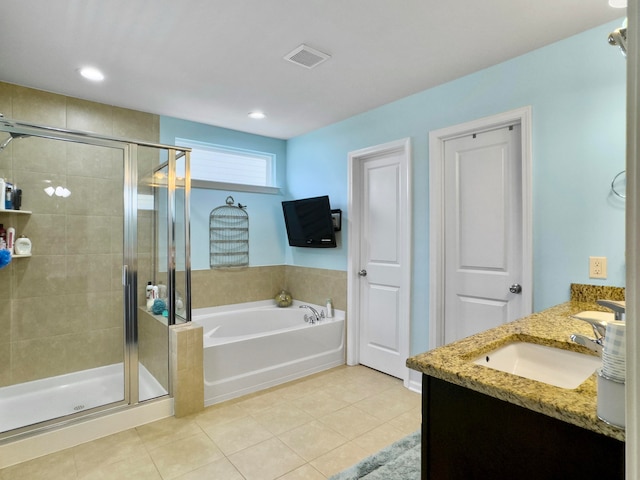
(92, 73)
(257, 115)
(618, 3)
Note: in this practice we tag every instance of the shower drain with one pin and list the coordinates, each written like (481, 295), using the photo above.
(78, 408)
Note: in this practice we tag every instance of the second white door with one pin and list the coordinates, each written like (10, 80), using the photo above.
(483, 231)
(381, 257)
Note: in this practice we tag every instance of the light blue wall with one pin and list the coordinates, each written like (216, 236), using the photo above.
(267, 238)
(576, 88)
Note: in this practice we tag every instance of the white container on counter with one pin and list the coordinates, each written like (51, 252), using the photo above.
(611, 399)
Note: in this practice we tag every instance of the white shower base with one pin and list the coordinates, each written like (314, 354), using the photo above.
(41, 400)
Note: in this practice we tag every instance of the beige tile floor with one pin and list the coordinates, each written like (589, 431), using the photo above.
(303, 430)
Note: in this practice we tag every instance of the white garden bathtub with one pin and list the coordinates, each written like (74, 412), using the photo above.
(256, 345)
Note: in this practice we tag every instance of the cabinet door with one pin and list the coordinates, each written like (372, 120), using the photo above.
(470, 436)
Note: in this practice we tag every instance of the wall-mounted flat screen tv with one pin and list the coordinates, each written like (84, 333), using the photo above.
(309, 222)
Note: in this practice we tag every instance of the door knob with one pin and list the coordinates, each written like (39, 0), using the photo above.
(362, 273)
(515, 288)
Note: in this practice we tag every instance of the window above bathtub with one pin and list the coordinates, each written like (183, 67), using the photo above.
(226, 168)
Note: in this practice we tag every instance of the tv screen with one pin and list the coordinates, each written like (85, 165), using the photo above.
(309, 222)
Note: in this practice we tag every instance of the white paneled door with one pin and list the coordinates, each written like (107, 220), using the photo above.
(381, 257)
(483, 231)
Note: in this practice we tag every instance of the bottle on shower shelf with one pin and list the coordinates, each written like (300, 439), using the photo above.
(11, 238)
(17, 199)
(8, 197)
(162, 291)
(3, 188)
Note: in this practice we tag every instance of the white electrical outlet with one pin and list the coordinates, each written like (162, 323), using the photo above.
(597, 267)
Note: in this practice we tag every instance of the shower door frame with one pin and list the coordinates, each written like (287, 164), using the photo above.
(129, 150)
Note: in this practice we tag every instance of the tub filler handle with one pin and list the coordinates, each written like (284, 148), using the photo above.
(315, 317)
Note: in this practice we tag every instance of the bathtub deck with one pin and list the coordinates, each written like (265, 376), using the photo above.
(42, 400)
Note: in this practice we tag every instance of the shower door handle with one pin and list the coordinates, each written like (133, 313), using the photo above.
(125, 270)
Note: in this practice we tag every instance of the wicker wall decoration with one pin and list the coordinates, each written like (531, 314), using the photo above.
(229, 236)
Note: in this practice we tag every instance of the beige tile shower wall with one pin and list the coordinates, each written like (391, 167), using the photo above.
(213, 288)
(153, 344)
(61, 309)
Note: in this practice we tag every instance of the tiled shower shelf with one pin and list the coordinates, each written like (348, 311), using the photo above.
(17, 212)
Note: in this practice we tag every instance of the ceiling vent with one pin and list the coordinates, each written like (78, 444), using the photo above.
(306, 57)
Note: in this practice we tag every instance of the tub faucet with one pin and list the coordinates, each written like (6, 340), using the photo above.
(618, 307)
(315, 317)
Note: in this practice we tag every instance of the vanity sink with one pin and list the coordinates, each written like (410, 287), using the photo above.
(554, 366)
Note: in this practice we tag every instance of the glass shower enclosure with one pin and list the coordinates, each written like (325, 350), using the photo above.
(104, 216)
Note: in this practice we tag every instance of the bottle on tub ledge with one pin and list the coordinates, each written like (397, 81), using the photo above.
(329, 308)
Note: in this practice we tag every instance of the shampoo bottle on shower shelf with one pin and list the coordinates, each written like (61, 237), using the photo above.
(329, 308)
(11, 238)
(8, 199)
(154, 292)
(17, 199)
(148, 290)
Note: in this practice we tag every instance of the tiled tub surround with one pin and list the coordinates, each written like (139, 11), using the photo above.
(216, 287)
(453, 363)
(187, 374)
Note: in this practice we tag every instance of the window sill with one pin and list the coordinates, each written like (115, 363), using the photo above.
(236, 187)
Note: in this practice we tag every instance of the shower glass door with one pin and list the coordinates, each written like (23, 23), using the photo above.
(62, 348)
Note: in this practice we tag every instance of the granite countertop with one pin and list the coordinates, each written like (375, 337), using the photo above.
(550, 327)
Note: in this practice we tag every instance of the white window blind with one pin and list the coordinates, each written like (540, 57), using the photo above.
(218, 164)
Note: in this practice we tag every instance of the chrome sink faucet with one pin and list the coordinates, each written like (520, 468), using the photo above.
(595, 345)
(599, 326)
(618, 306)
(315, 317)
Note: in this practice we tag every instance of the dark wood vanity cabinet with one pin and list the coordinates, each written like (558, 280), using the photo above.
(467, 435)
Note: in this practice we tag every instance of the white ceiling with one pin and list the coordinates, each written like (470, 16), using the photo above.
(214, 61)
